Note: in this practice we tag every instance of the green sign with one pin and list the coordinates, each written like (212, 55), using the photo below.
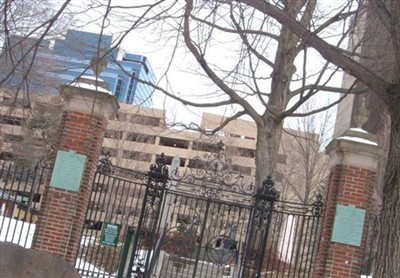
(348, 225)
(110, 234)
(68, 170)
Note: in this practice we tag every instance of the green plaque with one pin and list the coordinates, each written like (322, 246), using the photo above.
(109, 236)
(348, 225)
(68, 170)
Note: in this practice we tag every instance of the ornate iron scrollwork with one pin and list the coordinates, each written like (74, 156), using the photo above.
(222, 250)
(44, 162)
(212, 174)
(105, 165)
(318, 205)
(159, 170)
(267, 191)
(265, 201)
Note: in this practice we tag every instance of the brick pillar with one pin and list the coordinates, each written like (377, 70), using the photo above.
(82, 129)
(354, 159)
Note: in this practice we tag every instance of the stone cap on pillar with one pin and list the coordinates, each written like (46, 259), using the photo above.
(89, 94)
(88, 99)
(356, 147)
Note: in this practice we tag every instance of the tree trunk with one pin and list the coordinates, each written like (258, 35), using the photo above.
(387, 263)
(268, 141)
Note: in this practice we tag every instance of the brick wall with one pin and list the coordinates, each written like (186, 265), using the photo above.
(63, 212)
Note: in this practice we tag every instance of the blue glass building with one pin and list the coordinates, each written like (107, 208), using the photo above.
(70, 57)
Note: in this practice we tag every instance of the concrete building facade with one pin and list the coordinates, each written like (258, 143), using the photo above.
(139, 134)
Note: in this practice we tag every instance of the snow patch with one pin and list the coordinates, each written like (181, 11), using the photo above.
(90, 77)
(359, 140)
(90, 87)
(358, 130)
(89, 270)
(16, 231)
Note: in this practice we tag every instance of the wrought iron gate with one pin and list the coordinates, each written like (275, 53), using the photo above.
(205, 222)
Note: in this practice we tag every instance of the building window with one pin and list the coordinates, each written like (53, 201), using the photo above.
(145, 120)
(113, 152)
(175, 143)
(130, 88)
(118, 88)
(241, 136)
(205, 147)
(142, 138)
(114, 134)
(137, 156)
(244, 152)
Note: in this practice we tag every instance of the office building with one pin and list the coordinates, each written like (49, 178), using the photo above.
(63, 60)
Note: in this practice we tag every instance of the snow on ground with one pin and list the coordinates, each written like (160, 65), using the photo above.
(16, 231)
(88, 270)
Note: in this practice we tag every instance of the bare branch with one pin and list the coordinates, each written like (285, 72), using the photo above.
(240, 32)
(332, 54)
(328, 89)
(200, 58)
(247, 44)
(196, 127)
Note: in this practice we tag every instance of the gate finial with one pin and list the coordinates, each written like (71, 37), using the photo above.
(268, 191)
(160, 167)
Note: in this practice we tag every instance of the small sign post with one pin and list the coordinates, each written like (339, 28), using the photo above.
(110, 234)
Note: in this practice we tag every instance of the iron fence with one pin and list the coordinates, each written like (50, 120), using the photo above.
(21, 189)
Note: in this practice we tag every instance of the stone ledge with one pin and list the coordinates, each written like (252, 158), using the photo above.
(353, 152)
(81, 100)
